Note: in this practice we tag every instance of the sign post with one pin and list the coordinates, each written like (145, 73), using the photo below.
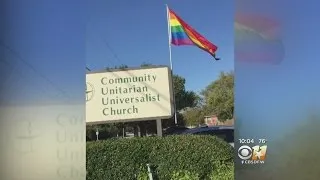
(159, 127)
(97, 134)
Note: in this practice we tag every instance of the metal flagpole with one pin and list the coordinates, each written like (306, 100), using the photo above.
(170, 59)
(169, 36)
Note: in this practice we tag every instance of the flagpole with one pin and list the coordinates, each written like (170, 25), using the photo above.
(171, 65)
(169, 37)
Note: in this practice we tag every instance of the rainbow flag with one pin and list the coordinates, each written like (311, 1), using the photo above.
(183, 34)
(257, 39)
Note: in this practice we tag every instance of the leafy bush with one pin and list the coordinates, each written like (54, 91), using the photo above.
(222, 171)
(173, 157)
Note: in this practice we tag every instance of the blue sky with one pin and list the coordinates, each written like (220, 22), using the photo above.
(136, 32)
(47, 39)
(57, 40)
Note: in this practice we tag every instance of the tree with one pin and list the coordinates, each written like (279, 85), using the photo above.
(193, 116)
(144, 64)
(183, 98)
(219, 97)
(122, 66)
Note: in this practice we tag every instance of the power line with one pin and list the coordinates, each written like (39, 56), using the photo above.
(33, 69)
(111, 50)
(100, 37)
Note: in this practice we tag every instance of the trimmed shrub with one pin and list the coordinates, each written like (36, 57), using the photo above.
(222, 171)
(172, 157)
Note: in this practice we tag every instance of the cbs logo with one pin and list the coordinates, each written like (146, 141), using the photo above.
(245, 152)
(255, 153)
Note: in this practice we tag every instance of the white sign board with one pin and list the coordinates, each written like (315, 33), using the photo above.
(129, 95)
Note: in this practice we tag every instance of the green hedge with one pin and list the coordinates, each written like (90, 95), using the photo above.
(172, 157)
